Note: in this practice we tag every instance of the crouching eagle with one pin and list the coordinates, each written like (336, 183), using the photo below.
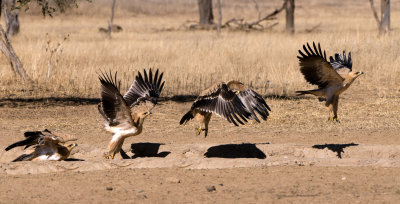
(233, 101)
(332, 78)
(47, 145)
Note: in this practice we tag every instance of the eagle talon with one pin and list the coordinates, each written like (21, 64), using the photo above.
(333, 119)
(198, 131)
(107, 155)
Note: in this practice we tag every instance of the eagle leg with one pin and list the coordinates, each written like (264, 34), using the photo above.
(205, 132)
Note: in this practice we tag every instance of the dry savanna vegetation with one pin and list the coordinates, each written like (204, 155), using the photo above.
(153, 37)
(63, 55)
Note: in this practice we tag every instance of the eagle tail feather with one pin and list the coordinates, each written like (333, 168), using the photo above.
(188, 116)
(313, 92)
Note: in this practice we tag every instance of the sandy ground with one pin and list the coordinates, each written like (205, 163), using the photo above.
(296, 156)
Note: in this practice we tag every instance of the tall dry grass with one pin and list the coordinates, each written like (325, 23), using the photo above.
(192, 60)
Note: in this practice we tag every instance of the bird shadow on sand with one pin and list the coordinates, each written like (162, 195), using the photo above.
(338, 148)
(245, 150)
(145, 150)
(73, 159)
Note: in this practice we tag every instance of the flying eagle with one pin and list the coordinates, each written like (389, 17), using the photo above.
(233, 101)
(47, 145)
(124, 115)
(332, 77)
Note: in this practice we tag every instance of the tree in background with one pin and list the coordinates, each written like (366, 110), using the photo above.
(205, 11)
(10, 17)
(47, 7)
(384, 22)
(289, 8)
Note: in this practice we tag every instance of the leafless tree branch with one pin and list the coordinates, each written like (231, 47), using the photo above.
(8, 51)
(375, 13)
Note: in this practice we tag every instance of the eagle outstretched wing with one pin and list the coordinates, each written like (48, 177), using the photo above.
(220, 100)
(31, 138)
(342, 65)
(341, 62)
(316, 69)
(147, 88)
(253, 101)
(113, 106)
(40, 138)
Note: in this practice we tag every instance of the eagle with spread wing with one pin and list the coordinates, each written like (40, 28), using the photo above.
(124, 115)
(47, 145)
(332, 78)
(233, 101)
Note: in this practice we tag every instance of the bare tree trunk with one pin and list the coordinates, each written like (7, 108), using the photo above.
(384, 22)
(8, 51)
(385, 16)
(289, 16)
(219, 16)
(205, 11)
(11, 17)
(110, 23)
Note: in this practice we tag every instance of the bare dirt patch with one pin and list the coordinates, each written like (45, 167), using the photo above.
(295, 156)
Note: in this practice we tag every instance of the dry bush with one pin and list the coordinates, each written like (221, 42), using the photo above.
(194, 60)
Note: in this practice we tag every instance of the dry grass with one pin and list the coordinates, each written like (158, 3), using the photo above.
(193, 60)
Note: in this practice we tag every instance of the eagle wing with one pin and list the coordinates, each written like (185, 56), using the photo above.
(145, 89)
(341, 64)
(253, 101)
(113, 106)
(31, 138)
(220, 100)
(316, 69)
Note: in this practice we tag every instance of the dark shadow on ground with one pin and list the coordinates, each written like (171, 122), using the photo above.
(338, 148)
(72, 101)
(244, 150)
(145, 150)
(48, 101)
(73, 159)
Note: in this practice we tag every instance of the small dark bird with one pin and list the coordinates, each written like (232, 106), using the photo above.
(233, 101)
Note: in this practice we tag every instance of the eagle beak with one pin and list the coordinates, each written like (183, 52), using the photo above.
(148, 113)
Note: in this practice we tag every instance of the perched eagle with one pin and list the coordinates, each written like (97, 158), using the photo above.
(124, 115)
(233, 101)
(47, 145)
(332, 77)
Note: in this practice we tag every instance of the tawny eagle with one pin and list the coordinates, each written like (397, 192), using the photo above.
(47, 145)
(124, 115)
(232, 100)
(332, 78)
